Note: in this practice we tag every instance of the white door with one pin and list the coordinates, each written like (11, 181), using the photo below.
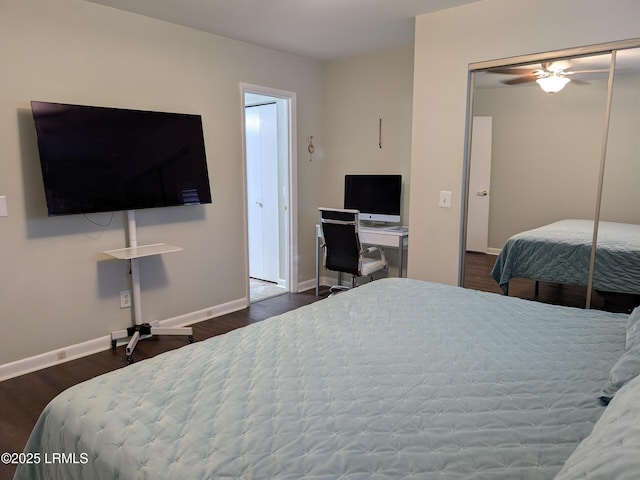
(262, 191)
(479, 183)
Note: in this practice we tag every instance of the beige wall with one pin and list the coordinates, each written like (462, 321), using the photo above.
(446, 43)
(54, 291)
(620, 190)
(358, 92)
(546, 154)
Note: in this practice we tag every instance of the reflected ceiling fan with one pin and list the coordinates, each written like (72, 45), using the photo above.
(552, 76)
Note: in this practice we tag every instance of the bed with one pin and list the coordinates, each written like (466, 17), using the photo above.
(560, 253)
(398, 378)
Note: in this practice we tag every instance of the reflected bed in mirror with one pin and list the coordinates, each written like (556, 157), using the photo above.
(547, 157)
(560, 253)
(477, 276)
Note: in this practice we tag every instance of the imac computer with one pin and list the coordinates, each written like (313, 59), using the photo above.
(377, 197)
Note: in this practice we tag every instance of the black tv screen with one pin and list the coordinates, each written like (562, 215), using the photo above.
(100, 159)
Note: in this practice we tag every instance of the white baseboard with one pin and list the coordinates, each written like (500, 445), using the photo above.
(311, 284)
(205, 314)
(72, 352)
(54, 357)
(307, 285)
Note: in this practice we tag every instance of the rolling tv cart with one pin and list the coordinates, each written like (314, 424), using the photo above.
(140, 330)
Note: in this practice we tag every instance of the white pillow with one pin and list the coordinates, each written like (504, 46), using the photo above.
(612, 450)
(628, 366)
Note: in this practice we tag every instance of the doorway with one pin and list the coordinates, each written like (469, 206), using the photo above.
(270, 191)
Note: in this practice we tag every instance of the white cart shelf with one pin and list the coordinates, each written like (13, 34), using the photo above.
(142, 251)
(141, 330)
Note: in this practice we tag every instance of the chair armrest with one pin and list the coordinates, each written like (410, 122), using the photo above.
(376, 249)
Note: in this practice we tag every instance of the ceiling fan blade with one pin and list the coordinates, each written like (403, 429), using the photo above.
(597, 70)
(513, 71)
(519, 80)
(579, 82)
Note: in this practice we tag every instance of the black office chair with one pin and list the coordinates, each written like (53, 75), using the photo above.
(342, 249)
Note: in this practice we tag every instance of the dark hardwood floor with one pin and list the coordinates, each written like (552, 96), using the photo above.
(23, 398)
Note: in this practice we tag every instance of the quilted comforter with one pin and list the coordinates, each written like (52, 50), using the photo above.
(396, 379)
(560, 253)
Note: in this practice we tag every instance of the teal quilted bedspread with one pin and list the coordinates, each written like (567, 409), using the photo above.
(560, 253)
(396, 379)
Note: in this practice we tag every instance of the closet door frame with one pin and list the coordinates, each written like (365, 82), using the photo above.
(601, 49)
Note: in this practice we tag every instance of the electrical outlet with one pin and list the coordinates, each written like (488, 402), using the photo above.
(125, 299)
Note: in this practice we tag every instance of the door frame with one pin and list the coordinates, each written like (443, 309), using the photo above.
(291, 237)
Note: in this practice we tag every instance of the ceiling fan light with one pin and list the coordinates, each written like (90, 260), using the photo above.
(553, 83)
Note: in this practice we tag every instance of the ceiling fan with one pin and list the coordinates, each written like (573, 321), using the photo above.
(551, 76)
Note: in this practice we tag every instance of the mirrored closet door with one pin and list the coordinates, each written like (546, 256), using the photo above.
(616, 276)
(536, 199)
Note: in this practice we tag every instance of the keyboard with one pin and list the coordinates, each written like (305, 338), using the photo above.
(397, 228)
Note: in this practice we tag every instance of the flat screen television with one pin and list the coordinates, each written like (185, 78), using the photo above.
(100, 159)
(377, 197)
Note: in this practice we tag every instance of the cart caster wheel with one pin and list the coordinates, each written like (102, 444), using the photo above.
(114, 344)
(129, 359)
(191, 339)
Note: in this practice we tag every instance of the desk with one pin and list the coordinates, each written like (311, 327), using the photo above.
(376, 236)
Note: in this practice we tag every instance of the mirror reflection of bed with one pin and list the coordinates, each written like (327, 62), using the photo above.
(477, 276)
(546, 153)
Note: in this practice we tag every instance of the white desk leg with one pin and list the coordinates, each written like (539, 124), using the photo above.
(401, 256)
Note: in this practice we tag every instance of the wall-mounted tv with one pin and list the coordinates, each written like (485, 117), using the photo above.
(100, 159)
(377, 197)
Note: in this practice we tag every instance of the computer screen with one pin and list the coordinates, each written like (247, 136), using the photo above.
(377, 197)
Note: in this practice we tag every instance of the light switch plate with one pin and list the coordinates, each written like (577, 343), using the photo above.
(445, 199)
(3, 206)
